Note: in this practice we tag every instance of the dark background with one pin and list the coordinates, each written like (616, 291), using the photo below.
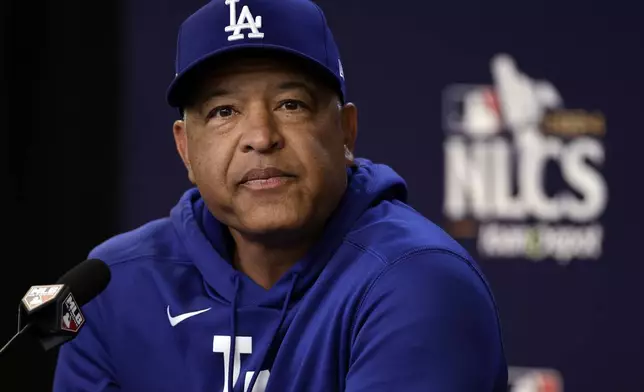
(60, 91)
(91, 152)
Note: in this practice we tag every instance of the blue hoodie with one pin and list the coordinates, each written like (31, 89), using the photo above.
(386, 301)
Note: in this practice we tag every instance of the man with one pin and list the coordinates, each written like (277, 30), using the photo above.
(292, 265)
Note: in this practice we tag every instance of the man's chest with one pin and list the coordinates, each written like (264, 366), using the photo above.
(203, 345)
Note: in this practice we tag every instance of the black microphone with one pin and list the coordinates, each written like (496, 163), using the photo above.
(51, 314)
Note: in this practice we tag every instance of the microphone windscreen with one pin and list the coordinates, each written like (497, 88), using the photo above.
(86, 280)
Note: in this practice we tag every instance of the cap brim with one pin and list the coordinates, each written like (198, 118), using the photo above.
(181, 86)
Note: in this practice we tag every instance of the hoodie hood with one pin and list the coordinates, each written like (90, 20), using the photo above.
(207, 241)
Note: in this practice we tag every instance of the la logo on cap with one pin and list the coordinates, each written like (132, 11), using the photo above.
(245, 21)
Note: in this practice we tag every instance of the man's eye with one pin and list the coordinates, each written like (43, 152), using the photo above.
(222, 111)
(293, 105)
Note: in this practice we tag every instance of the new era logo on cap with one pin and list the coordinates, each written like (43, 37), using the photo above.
(296, 27)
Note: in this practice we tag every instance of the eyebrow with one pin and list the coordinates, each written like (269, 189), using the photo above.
(289, 85)
(217, 92)
(297, 85)
(207, 96)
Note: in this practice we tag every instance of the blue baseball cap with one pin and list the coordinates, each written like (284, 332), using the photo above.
(293, 27)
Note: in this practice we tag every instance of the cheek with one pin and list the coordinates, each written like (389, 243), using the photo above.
(323, 158)
(209, 162)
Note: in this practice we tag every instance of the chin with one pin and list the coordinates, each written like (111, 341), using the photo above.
(273, 220)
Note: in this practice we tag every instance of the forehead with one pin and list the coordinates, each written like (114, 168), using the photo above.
(255, 69)
(261, 65)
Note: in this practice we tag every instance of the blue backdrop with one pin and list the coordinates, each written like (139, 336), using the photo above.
(518, 126)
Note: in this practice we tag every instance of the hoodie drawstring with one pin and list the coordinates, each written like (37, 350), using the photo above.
(260, 364)
(233, 328)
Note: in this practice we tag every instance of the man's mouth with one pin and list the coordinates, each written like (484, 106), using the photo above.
(265, 178)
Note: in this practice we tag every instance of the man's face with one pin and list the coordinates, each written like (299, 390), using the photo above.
(265, 144)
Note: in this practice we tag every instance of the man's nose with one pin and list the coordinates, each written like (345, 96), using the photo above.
(261, 132)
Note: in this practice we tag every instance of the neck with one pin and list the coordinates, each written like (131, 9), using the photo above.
(266, 262)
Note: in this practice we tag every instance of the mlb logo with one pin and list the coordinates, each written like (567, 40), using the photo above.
(37, 296)
(472, 110)
(534, 380)
(72, 318)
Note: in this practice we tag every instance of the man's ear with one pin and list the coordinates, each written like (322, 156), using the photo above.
(350, 130)
(181, 140)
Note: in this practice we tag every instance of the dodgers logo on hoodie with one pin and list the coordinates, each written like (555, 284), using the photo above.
(523, 174)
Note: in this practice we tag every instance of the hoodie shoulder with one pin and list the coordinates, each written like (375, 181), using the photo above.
(392, 229)
(155, 239)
